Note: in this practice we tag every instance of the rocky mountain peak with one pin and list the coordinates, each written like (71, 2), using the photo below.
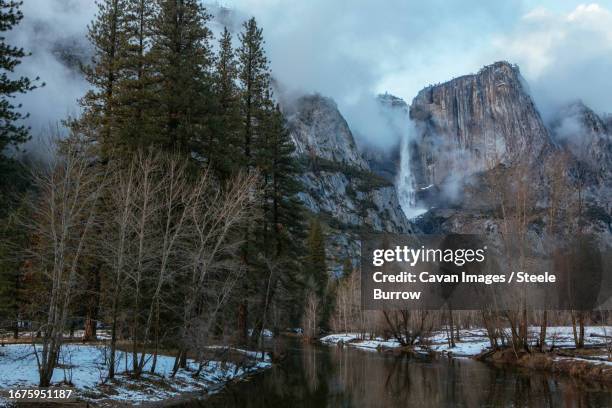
(319, 130)
(587, 136)
(583, 115)
(392, 101)
(475, 122)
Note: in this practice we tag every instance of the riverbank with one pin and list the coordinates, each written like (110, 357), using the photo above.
(584, 364)
(83, 368)
(591, 363)
(315, 375)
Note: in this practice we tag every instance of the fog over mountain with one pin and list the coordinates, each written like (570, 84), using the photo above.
(352, 51)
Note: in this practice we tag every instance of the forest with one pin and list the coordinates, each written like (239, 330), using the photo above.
(166, 213)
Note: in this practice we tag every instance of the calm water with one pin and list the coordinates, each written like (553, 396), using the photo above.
(321, 376)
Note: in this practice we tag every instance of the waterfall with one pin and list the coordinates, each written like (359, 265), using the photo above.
(405, 182)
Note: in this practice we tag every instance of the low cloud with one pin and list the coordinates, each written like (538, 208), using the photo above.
(352, 51)
(54, 32)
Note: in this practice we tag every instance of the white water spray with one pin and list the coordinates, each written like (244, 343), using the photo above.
(405, 182)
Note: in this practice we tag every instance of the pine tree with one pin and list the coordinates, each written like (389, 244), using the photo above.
(283, 211)
(286, 208)
(224, 144)
(12, 131)
(12, 239)
(183, 60)
(136, 111)
(316, 273)
(266, 146)
(13, 178)
(108, 36)
(315, 264)
(255, 103)
(101, 121)
(254, 78)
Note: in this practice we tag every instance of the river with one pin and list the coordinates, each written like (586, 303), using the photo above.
(328, 376)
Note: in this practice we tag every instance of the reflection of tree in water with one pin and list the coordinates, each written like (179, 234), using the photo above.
(309, 357)
(375, 380)
(321, 376)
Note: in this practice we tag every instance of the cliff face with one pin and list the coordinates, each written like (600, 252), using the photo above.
(319, 130)
(473, 131)
(473, 123)
(339, 185)
(337, 180)
(588, 138)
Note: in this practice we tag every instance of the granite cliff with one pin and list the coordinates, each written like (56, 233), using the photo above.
(480, 134)
(339, 185)
(473, 123)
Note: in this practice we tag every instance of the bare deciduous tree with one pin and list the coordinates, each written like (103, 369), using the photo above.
(64, 209)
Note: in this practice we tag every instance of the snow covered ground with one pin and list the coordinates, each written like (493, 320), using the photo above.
(473, 341)
(84, 366)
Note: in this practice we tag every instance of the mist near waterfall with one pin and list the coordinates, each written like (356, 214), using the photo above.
(406, 183)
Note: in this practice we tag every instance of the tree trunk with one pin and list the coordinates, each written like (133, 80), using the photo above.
(91, 320)
(543, 327)
(581, 334)
(156, 334)
(451, 336)
(113, 348)
(242, 323)
(576, 342)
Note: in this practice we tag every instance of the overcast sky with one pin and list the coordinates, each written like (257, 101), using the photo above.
(348, 48)
(353, 49)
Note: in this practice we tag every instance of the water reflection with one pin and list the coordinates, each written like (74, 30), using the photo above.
(319, 376)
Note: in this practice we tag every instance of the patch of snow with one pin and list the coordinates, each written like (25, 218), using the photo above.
(337, 338)
(377, 344)
(587, 360)
(264, 333)
(85, 367)
(356, 340)
(473, 341)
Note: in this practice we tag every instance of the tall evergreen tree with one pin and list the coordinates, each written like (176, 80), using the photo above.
(12, 133)
(254, 82)
(183, 60)
(108, 36)
(316, 273)
(282, 226)
(254, 77)
(265, 145)
(12, 130)
(315, 264)
(136, 91)
(224, 145)
(12, 239)
(13, 179)
(286, 209)
(101, 121)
